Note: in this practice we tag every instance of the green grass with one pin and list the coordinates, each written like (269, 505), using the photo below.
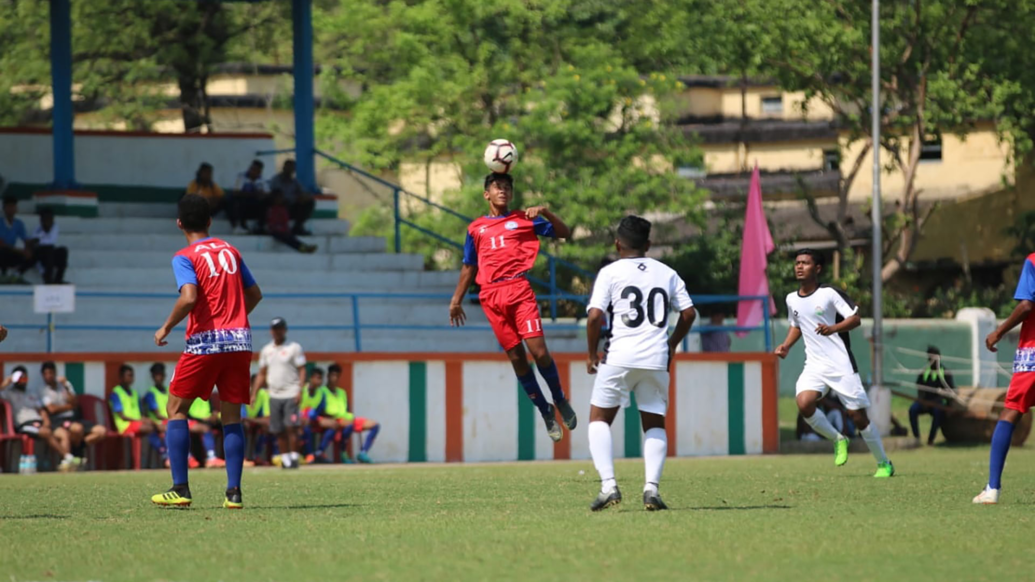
(770, 518)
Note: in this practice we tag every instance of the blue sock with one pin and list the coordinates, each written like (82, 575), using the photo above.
(553, 380)
(370, 438)
(535, 393)
(177, 438)
(328, 438)
(271, 441)
(233, 450)
(346, 434)
(209, 440)
(1000, 446)
(307, 440)
(156, 443)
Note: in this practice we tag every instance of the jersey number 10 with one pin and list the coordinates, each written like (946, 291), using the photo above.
(227, 262)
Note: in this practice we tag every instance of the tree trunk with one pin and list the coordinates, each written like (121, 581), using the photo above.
(912, 225)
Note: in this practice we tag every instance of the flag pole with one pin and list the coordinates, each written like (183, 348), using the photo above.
(877, 218)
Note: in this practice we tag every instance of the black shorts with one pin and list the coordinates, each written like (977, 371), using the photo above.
(31, 428)
(86, 424)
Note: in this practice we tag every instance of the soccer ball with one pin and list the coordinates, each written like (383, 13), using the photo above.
(500, 156)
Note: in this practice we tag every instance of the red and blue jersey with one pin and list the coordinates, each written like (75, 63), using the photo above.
(504, 247)
(219, 321)
(1024, 359)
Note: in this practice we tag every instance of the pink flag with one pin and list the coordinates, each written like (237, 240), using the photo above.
(757, 244)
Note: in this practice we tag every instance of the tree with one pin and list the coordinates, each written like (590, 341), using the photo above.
(443, 77)
(927, 86)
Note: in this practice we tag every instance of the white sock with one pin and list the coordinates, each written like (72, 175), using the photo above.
(872, 438)
(210, 455)
(600, 448)
(69, 457)
(285, 460)
(655, 448)
(821, 424)
(294, 456)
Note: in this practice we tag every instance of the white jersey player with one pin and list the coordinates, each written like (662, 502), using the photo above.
(823, 316)
(638, 294)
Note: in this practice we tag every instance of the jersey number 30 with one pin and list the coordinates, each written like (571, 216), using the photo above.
(227, 262)
(635, 297)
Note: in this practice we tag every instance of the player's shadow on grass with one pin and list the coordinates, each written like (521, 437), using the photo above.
(732, 508)
(312, 506)
(38, 516)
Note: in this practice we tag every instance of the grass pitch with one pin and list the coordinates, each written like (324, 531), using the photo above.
(758, 518)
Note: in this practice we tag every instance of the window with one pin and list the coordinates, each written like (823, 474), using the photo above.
(772, 105)
(931, 149)
(831, 160)
(692, 171)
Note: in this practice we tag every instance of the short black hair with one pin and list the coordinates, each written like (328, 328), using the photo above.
(204, 166)
(497, 177)
(634, 233)
(258, 163)
(157, 368)
(334, 368)
(125, 368)
(48, 366)
(10, 200)
(933, 351)
(194, 213)
(816, 256)
(21, 369)
(316, 371)
(46, 212)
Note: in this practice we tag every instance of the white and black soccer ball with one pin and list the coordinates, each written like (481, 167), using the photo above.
(500, 156)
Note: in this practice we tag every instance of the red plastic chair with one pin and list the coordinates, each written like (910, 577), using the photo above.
(8, 437)
(96, 410)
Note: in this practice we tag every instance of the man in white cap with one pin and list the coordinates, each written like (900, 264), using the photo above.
(282, 371)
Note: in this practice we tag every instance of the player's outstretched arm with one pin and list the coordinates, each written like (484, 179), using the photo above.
(1020, 313)
(560, 229)
(252, 297)
(594, 323)
(457, 317)
(793, 335)
(188, 297)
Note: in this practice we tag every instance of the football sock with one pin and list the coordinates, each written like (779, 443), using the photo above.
(370, 438)
(346, 434)
(997, 458)
(655, 447)
(601, 449)
(209, 440)
(233, 450)
(821, 424)
(307, 439)
(177, 438)
(872, 438)
(535, 393)
(553, 380)
(156, 443)
(328, 438)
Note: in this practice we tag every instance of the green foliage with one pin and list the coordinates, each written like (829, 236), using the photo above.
(444, 78)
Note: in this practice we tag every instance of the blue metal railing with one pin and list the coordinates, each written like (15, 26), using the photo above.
(357, 327)
(554, 292)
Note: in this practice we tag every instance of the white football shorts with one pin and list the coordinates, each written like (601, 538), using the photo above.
(614, 383)
(848, 387)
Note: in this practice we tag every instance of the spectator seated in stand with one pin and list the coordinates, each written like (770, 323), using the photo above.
(11, 231)
(52, 259)
(299, 203)
(204, 186)
(278, 224)
(125, 413)
(156, 404)
(248, 201)
(201, 418)
(31, 418)
(932, 386)
(62, 404)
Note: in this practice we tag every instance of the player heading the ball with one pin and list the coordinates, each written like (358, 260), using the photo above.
(823, 315)
(217, 292)
(500, 250)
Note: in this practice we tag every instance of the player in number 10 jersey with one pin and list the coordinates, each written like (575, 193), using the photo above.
(217, 292)
(500, 249)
